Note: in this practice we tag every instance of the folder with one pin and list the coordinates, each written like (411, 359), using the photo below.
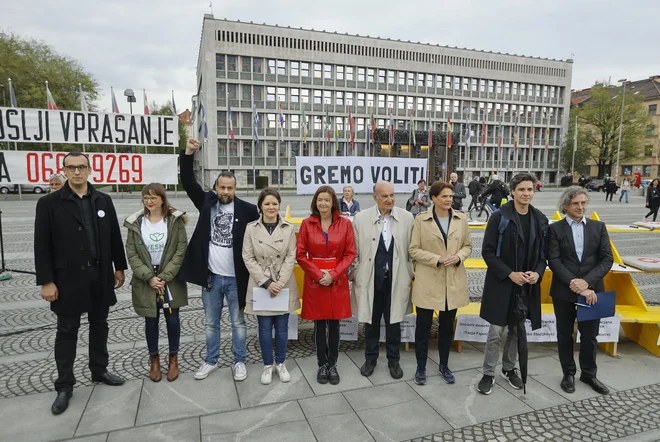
(262, 300)
(325, 263)
(604, 308)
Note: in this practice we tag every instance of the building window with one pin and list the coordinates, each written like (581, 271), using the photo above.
(281, 94)
(270, 93)
(318, 70)
(270, 121)
(258, 92)
(466, 84)
(457, 83)
(650, 131)
(401, 102)
(390, 101)
(515, 89)
(648, 151)
(381, 101)
(429, 80)
(370, 100)
(327, 71)
(647, 170)
(295, 121)
(231, 63)
(349, 73)
(256, 65)
(340, 72)
(219, 62)
(281, 67)
(246, 94)
(221, 119)
(327, 97)
(409, 102)
(402, 78)
(653, 108)
(475, 87)
(272, 67)
(304, 69)
(340, 98)
(447, 82)
(360, 99)
(499, 87)
(371, 75)
(349, 98)
(381, 75)
(390, 77)
(411, 79)
(361, 72)
(231, 89)
(304, 95)
(295, 95)
(420, 103)
(246, 64)
(420, 80)
(220, 91)
(295, 71)
(507, 87)
(318, 97)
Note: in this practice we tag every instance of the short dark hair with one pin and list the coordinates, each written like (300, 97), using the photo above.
(226, 174)
(438, 187)
(268, 191)
(74, 154)
(519, 178)
(421, 181)
(333, 196)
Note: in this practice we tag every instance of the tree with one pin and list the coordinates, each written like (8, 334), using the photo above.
(30, 63)
(598, 128)
(582, 153)
(166, 109)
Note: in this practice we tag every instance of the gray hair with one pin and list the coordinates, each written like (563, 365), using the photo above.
(348, 187)
(568, 195)
(57, 176)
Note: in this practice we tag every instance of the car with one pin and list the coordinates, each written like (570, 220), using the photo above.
(25, 188)
(539, 185)
(595, 185)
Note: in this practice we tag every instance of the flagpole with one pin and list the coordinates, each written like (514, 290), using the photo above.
(49, 143)
(114, 146)
(547, 136)
(500, 138)
(82, 107)
(461, 150)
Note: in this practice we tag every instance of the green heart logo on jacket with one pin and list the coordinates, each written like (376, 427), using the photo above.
(155, 237)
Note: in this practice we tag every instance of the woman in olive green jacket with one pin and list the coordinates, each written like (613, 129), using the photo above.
(156, 245)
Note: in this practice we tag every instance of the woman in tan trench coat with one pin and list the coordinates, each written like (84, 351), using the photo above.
(269, 252)
(439, 247)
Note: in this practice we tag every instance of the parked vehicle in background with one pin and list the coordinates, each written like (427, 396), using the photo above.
(25, 188)
(539, 185)
(596, 185)
(588, 180)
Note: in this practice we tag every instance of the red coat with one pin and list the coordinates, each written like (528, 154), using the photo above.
(332, 302)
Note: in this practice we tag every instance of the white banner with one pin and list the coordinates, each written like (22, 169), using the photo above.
(75, 127)
(408, 325)
(25, 167)
(472, 328)
(360, 172)
(348, 329)
(608, 330)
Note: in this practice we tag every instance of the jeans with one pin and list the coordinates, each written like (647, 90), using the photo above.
(281, 325)
(223, 287)
(623, 192)
(423, 330)
(492, 352)
(173, 331)
(66, 339)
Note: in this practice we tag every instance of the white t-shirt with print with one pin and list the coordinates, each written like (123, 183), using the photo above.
(221, 246)
(154, 236)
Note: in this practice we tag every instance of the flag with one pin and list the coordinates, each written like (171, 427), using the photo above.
(231, 123)
(467, 135)
(430, 143)
(202, 113)
(12, 96)
(304, 124)
(449, 132)
(412, 127)
(483, 134)
(49, 97)
(281, 123)
(115, 108)
(516, 136)
(499, 136)
(256, 122)
(83, 103)
(531, 137)
(351, 124)
(547, 135)
(373, 126)
(146, 102)
(174, 105)
(391, 128)
(328, 123)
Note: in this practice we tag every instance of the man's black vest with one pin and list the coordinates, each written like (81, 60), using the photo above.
(383, 260)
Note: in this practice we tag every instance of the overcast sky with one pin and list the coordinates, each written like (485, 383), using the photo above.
(153, 44)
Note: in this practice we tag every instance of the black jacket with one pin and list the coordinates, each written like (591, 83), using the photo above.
(61, 249)
(475, 187)
(496, 192)
(563, 261)
(195, 267)
(652, 196)
(498, 288)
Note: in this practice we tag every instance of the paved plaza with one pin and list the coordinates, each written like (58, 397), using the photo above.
(358, 409)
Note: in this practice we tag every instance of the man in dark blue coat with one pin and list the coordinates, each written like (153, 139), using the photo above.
(514, 250)
(214, 260)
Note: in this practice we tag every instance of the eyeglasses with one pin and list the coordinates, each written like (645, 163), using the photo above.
(72, 169)
(150, 199)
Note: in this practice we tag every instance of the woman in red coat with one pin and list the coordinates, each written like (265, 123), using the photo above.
(326, 249)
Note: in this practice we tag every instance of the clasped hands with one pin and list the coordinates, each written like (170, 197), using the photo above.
(581, 287)
(448, 260)
(157, 284)
(275, 288)
(326, 279)
(521, 278)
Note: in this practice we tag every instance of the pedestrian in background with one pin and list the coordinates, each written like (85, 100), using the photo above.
(56, 181)
(419, 200)
(475, 188)
(348, 205)
(326, 250)
(610, 188)
(653, 199)
(155, 245)
(625, 188)
(269, 252)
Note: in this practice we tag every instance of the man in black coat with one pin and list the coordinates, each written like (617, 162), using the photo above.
(579, 255)
(514, 249)
(475, 188)
(496, 192)
(214, 260)
(77, 242)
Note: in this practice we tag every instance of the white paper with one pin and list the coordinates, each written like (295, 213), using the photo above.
(608, 330)
(408, 325)
(547, 332)
(348, 329)
(616, 267)
(471, 328)
(263, 302)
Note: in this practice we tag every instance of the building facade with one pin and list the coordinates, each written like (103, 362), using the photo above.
(304, 85)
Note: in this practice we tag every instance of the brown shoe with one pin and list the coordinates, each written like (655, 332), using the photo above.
(173, 368)
(154, 370)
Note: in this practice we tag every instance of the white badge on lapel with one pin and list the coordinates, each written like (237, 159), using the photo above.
(101, 213)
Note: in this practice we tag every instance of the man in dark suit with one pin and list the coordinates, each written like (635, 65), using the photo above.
(76, 244)
(579, 255)
(214, 260)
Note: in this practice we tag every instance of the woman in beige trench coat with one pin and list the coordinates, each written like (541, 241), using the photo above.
(269, 252)
(439, 247)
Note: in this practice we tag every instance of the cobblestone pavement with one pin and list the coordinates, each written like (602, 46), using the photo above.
(603, 418)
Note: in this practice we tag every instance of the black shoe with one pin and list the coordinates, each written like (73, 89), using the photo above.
(395, 369)
(513, 378)
(333, 375)
(485, 385)
(61, 402)
(108, 378)
(322, 374)
(568, 383)
(420, 376)
(368, 368)
(597, 385)
(446, 374)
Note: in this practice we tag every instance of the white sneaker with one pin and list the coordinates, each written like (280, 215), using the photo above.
(283, 373)
(267, 375)
(205, 370)
(240, 371)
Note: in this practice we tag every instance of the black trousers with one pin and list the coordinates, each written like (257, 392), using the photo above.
(474, 202)
(326, 336)
(609, 195)
(66, 340)
(423, 330)
(566, 312)
(381, 308)
(653, 210)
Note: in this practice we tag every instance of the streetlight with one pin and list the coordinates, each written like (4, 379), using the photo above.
(130, 97)
(618, 150)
